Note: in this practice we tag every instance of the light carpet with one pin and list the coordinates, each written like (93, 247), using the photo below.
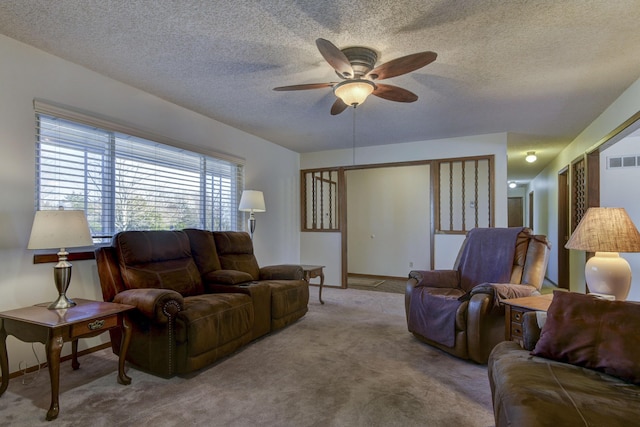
(349, 362)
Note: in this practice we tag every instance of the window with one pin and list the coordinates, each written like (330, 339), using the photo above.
(463, 195)
(126, 182)
(320, 191)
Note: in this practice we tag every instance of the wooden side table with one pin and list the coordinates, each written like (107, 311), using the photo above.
(311, 271)
(55, 327)
(514, 313)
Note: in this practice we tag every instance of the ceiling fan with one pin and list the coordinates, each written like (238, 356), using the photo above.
(355, 66)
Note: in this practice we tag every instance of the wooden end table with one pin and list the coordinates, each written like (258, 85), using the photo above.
(55, 327)
(514, 313)
(311, 271)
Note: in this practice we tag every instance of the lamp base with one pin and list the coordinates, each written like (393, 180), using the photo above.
(609, 274)
(252, 224)
(62, 278)
(61, 303)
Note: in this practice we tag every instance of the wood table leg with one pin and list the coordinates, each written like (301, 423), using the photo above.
(4, 359)
(54, 347)
(321, 284)
(74, 355)
(124, 346)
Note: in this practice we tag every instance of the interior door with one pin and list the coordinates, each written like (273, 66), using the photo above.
(515, 212)
(531, 210)
(564, 219)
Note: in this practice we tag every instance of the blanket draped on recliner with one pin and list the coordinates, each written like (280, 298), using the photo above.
(434, 315)
(487, 256)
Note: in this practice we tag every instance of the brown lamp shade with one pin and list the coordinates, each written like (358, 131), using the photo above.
(605, 230)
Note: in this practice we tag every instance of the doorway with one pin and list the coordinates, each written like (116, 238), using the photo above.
(515, 212)
(564, 218)
(389, 220)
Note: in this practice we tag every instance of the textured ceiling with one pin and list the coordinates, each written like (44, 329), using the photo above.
(540, 70)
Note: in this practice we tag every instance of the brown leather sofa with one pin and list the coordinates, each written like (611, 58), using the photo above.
(193, 307)
(583, 381)
(459, 310)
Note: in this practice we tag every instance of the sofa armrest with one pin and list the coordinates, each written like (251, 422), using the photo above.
(226, 277)
(530, 330)
(502, 291)
(431, 279)
(282, 272)
(156, 304)
(485, 316)
(436, 278)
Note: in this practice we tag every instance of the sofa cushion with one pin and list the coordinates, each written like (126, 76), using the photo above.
(593, 333)
(235, 251)
(213, 320)
(227, 277)
(157, 259)
(533, 391)
(203, 250)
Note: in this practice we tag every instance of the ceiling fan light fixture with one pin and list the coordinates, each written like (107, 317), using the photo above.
(531, 157)
(354, 92)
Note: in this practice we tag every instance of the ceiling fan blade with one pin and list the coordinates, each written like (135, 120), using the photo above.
(394, 93)
(338, 107)
(335, 57)
(403, 65)
(304, 87)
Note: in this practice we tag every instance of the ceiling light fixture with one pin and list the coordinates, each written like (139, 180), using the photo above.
(531, 156)
(512, 184)
(354, 92)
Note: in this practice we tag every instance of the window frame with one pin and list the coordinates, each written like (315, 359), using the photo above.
(218, 163)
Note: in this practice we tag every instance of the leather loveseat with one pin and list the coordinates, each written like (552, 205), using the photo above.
(459, 310)
(582, 368)
(195, 304)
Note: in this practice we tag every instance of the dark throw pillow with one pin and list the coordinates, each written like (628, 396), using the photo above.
(594, 333)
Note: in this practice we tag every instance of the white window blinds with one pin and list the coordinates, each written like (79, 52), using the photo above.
(125, 182)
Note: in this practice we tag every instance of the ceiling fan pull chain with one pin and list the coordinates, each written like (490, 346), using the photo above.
(354, 136)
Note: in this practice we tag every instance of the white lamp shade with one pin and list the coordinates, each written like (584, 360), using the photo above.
(57, 229)
(252, 201)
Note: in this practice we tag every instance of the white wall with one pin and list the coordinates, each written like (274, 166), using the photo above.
(27, 73)
(388, 218)
(617, 188)
(545, 185)
(327, 250)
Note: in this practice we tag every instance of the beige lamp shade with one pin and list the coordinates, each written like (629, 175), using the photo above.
(252, 201)
(354, 92)
(57, 229)
(605, 230)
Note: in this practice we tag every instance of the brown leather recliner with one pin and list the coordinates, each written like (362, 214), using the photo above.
(459, 310)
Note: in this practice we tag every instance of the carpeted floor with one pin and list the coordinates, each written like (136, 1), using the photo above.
(349, 362)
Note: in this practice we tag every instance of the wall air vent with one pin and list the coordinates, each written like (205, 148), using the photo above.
(623, 161)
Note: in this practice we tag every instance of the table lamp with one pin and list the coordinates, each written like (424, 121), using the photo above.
(252, 201)
(61, 229)
(606, 231)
